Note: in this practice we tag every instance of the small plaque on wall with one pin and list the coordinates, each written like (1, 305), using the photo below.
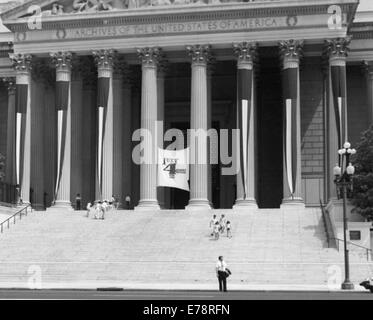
(355, 235)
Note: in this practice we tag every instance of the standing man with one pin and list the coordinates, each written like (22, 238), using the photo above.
(221, 273)
(78, 200)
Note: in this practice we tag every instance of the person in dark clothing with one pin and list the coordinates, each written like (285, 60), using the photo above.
(78, 201)
(221, 273)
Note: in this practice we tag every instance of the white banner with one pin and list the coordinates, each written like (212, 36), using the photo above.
(173, 168)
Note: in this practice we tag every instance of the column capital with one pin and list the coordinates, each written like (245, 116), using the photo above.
(11, 83)
(337, 50)
(200, 54)
(21, 62)
(104, 60)
(245, 53)
(291, 52)
(149, 56)
(62, 60)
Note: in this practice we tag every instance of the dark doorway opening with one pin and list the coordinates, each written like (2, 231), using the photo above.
(269, 122)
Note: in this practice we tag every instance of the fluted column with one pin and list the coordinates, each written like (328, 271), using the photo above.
(246, 189)
(291, 51)
(199, 121)
(22, 65)
(62, 62)
(148, 171)
(210, 70)
(104, 60)
(10, 170)
(336, 50)
(161, 70)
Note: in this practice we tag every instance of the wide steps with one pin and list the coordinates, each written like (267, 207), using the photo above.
(268, 246)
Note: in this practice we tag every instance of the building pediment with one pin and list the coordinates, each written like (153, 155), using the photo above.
(64, 9)
(125, 24)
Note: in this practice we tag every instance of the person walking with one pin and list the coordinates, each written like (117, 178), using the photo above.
(222, 222)
(229, 232)
(89, 206)
(222, 273)
(216, 230)
(212, 224)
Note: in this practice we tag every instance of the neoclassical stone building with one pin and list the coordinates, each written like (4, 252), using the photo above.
(80, 76)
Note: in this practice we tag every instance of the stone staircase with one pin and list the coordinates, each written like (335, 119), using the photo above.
(281, 247)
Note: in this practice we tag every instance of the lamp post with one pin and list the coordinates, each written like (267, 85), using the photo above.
(343, 180)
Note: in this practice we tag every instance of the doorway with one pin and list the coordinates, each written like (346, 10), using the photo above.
(270, 144)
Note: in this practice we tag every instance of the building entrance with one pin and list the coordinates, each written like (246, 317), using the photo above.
(269, 119)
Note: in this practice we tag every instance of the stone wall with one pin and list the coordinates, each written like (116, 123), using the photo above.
(312, 130)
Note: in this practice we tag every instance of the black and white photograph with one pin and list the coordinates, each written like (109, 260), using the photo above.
(186, 150)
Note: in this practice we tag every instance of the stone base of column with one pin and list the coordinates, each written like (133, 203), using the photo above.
(292, 203)
(198, 204)
(147, 205)
(249, 203)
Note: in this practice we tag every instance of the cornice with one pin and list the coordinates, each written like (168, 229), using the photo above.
(185, 14)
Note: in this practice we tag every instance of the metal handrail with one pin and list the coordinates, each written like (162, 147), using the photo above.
(356, 245)
(328, 237)
(19, 212)
(325, 223)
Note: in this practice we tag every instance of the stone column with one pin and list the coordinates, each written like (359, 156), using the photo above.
(62, 61)
(22, 65)
(369, 78)
(120, 72)
(161, 196)
(336, 50)
(104, 60)
(199, 123)
(291, 51)
(210, 70)
(246, 186)
(10, 169)
(148, 171)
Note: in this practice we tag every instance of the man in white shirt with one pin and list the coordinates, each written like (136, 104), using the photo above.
(221, 273)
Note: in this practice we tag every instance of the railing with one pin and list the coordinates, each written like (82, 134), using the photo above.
(8, 193)
(329, 237)
(367, 250)
(19, 213)
(325, 223)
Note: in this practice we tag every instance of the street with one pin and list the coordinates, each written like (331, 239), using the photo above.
(180, 295)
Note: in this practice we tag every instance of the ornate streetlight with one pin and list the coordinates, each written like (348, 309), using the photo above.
(343, 180)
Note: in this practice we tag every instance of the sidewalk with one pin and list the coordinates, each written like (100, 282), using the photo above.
(104, 285)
